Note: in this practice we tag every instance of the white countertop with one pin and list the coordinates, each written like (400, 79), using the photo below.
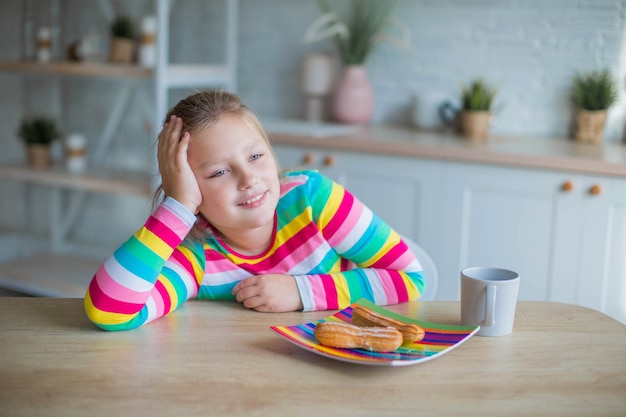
(544, 153)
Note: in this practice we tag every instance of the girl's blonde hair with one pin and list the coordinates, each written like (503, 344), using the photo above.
(204, 109)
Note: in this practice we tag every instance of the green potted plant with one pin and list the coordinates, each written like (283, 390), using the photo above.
(122, 46)
(593, 93)
(38, 133)
(476, 101)
(356, 27)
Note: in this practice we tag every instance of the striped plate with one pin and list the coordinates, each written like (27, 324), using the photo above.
(439, 339)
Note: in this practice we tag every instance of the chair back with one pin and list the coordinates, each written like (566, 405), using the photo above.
(431, 277)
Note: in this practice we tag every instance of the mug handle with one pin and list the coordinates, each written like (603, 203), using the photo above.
(490, 306)
(448, 113)
(494, 114)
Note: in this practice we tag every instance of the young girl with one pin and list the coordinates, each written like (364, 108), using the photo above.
(231, 227)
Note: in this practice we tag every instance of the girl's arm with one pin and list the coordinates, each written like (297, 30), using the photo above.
(150, 275)
(377, 263)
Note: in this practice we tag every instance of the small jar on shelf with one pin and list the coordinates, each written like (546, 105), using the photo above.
(147, 42)
(44, 44)
(76, 153)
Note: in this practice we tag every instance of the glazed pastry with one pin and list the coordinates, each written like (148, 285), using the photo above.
(365, 317)
(349, 336)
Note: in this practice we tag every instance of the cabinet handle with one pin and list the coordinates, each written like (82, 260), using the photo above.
(595, 189)
(567, 186)
(329, 160)
(308, 158)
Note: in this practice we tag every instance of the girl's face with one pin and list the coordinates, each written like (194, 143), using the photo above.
(237, 176)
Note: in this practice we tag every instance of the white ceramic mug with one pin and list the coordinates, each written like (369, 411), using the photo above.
(426, 110)
(488, 299)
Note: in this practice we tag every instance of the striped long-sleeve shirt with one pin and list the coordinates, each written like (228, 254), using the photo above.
(335, 247)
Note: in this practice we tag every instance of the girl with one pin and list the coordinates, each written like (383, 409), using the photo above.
(231, 227)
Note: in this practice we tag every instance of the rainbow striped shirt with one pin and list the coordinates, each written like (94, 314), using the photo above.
(335, 247)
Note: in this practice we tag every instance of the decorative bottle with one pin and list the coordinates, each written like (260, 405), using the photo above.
(44, 43)
(147, 42)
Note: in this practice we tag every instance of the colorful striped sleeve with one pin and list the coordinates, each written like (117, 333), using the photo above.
(150, 275)
(375, 263)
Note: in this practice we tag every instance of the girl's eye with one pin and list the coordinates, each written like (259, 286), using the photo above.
(255, 156)
(218, 173)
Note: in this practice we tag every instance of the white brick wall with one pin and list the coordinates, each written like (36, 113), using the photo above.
(529, 48)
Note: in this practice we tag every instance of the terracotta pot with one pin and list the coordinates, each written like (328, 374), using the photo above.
(590, 126)
(121, 50)
(475, 124)
(39, 156)
(353, 100)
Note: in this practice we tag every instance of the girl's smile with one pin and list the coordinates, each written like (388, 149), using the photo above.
(255, 201)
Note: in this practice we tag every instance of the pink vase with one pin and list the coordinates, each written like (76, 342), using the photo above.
(353, 101)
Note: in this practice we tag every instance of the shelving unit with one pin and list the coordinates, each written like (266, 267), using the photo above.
(59, 267)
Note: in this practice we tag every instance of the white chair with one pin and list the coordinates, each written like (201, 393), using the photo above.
(431, 277)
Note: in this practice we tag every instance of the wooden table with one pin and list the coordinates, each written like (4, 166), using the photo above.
(214, 358)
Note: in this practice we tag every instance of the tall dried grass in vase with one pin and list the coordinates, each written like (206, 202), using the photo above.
(356, 27)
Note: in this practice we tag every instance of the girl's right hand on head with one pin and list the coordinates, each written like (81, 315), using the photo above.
(179, 181)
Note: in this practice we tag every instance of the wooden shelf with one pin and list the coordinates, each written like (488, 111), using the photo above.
(176, 75)
(81, 69)
(49, 275)
(94, 179)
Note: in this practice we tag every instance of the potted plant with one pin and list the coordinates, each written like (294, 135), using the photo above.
(38, 133)
(476, 101)
(122, 46)
(356, 30)
(593, 93)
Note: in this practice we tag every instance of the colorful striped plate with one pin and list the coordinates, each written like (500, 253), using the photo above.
(439, 339)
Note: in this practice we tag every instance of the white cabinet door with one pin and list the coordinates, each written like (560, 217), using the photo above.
(601, 275)
(568, 245)
(508, 218)
(404, 192)
(588, 262)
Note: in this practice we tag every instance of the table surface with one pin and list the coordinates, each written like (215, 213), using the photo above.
(217, 358)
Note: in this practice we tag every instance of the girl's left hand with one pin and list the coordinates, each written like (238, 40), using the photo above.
(269, 293)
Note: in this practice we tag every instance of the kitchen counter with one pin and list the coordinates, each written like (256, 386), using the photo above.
(552, 154)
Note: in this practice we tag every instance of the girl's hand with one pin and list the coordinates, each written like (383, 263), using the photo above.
(269, 293)
(179, 181)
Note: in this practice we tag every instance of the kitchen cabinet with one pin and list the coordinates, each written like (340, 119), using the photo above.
(63, 267)
(507, 218)
(402, 191)
(564, 233)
